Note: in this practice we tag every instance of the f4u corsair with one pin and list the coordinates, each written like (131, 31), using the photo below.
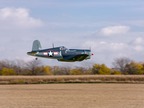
(60, 53)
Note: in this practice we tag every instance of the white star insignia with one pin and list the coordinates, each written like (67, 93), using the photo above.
(50, 54)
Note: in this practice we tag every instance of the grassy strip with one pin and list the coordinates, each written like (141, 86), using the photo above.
(72, 79)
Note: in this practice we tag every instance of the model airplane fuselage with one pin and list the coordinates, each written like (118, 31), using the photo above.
(60, 53)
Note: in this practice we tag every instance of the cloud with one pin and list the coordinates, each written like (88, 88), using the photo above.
(138, 44)
(106, 52)
(17, 17)
(114, 30)
(106, 46)
(138, 41)
(138, 48)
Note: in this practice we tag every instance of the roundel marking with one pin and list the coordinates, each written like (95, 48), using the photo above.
(50, 54)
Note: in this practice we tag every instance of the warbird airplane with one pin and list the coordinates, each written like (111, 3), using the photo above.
(60, 53)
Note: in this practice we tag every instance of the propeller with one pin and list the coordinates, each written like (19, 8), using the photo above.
(90, 50)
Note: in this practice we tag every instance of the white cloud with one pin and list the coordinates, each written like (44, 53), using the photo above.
(107, 46)
(17, 17)
(138, 48)
(114, 30)
(106, 52)
(138, 41)
(118, 46)
(138, 44)
(139, 23)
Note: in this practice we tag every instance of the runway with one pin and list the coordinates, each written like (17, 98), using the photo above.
(72, 96)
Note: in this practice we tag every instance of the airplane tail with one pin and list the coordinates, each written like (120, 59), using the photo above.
(36, 45)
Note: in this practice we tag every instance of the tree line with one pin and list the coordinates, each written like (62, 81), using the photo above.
(121, 66)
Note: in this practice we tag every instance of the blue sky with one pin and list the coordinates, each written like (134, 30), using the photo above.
(112, 28)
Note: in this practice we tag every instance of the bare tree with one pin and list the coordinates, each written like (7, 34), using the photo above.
(120, 63)
(33, 67)
(19, 66)
(60, 70)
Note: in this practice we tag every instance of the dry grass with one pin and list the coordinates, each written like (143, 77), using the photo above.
(72, 79)
(72, 96)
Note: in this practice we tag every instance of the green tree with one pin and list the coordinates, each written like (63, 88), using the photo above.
(47, 70)
(7, 71)
(134, 68)
(76, 71)
(115, 72)
(100, 69)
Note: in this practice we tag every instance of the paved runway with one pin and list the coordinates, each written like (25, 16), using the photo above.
(72, 96)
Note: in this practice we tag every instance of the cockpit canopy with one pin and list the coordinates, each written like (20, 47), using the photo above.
(63, 48)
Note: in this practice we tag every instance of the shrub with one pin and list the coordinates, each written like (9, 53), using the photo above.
(100, 69)
(75, 71)
(7, 71)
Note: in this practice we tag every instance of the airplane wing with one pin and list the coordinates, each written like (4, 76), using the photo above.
(80, 57)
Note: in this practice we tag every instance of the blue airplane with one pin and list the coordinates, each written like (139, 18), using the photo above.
(60, 53)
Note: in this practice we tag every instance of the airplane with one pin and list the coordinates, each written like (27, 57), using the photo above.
(60, 53)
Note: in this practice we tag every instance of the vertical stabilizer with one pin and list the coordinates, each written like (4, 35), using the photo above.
(36, 45)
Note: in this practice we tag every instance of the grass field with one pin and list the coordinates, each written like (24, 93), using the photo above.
(72, 96)
(72, 79)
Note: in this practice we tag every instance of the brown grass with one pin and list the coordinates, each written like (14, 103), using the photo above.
(72, 96)
(72, 79)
